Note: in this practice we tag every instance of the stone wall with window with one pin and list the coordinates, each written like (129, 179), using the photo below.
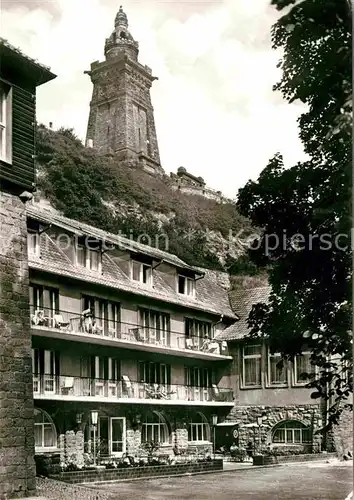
(265, 387)
(288, 427)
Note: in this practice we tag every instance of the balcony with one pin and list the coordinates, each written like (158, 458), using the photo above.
(104, 331)
(68, 388)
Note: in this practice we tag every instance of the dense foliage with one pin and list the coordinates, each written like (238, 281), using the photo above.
(100, 191)
(305, 211)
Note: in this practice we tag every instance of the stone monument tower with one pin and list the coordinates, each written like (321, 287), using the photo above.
(121, 117)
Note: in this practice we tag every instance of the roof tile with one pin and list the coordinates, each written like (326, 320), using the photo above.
(211, 290)
(242, 300)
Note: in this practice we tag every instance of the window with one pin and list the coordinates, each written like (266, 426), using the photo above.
(197, 331)
(45, 368)
(303, 366)
(141, 272)
(199, 429)
(198, 377)
(44, 300)
(5, 123)
(105, 368)
(186, 286)
(155, 327)
(154, 373)
(199, 382)
(45, 436)
(89, 257)
(155, 429)
(105, 372)
(104, 317)
(251, 368)
(291, 432)
(33, 245)
(277, 374)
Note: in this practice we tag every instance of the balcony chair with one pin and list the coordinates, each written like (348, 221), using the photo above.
(38, 318)
(96, 329)
(150, 390)
(127, 386)
(189, 344)
(213, 347)
(67, 386)
(137, 335)
(60, 323)
(216, 392)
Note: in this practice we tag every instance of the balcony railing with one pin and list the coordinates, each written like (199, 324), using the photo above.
(47, 385)
(109, 328)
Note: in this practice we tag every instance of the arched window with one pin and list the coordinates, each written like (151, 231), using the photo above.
(45, 435)
(155, 429)
(198, 429)
(291, 432)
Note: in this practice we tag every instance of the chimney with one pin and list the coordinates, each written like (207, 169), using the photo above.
(50, 124)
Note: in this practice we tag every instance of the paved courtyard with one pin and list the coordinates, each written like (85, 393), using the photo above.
(297, 482)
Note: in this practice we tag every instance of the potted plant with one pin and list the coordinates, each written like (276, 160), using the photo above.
(265, 456)
(151, 447)
(238, 453)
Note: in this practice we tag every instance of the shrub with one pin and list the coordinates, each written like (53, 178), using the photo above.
(150, 447)
(238, 453)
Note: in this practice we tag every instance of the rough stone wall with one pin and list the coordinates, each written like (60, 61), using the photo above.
(309, 415)
(181, 439)
(133, 441)
(205, 192)
(342, 434)
(72, 448)
(17, 466)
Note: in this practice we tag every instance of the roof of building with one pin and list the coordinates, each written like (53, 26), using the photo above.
(39, 72)
(211, 291)
(242, 299)
(51, 216)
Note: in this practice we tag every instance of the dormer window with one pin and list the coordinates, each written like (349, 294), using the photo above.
(33, 246)
(186, 286)
(88, 257)
(141, 272)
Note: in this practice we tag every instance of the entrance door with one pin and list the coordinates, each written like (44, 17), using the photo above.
(117, 436)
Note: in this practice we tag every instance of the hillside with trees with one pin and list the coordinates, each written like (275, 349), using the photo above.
(123, 199)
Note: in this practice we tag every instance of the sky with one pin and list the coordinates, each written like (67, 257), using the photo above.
(215, 111)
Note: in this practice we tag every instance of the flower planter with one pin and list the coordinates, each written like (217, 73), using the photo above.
(264, 460)
(138, 472)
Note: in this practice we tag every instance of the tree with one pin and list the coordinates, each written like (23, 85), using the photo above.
(305, 211)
